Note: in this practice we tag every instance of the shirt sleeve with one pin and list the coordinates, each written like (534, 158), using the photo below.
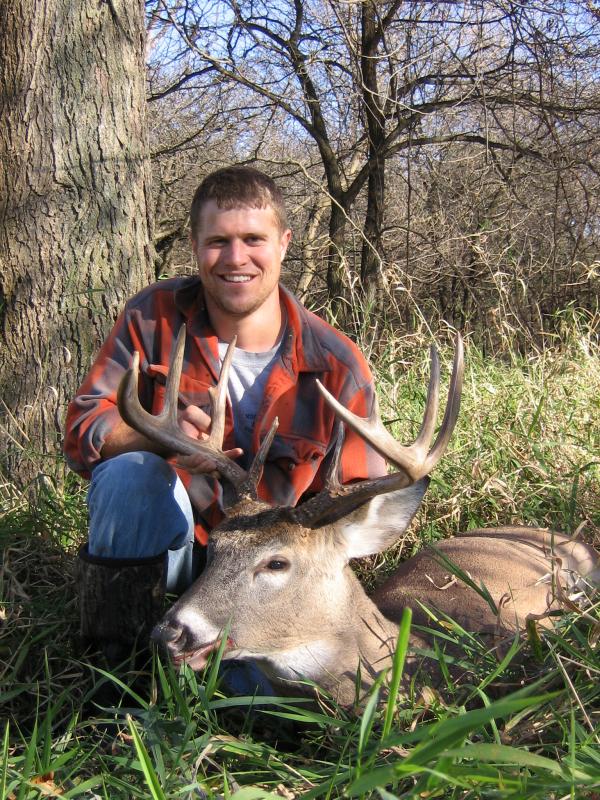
(359, 460)
(93, 413)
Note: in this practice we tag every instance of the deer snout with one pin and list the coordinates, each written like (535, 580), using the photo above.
(169, 635)
(184, 641)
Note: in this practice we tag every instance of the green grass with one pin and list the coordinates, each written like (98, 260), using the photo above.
(526, 450)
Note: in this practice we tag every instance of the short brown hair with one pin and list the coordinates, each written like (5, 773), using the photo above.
(232, 187)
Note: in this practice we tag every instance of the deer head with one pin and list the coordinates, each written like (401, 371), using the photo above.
(278, 579)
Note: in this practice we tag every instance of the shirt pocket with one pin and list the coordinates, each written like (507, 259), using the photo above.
(292, 452)
(192, 392)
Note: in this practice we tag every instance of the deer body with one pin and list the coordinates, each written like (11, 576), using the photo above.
(312, 619)
(278, 580)
(518, 566)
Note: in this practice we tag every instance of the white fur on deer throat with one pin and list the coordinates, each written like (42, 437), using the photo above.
(305, 661)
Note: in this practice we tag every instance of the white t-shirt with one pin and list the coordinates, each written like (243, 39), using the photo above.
(247, 379)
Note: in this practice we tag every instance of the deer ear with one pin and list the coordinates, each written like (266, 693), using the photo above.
(376, 525)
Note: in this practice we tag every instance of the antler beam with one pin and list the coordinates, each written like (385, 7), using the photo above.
(413, 462)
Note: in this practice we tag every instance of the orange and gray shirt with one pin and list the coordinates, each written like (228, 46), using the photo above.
(311, 349)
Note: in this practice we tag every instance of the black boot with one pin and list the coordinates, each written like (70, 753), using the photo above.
(120, 601)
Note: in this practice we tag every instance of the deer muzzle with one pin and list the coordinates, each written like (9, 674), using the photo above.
(178, 642)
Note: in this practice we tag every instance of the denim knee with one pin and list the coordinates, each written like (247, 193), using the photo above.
(138, 507)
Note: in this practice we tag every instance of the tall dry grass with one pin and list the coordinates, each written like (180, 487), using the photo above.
(525, 450)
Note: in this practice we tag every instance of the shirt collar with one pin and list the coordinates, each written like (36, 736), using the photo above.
(189, 299)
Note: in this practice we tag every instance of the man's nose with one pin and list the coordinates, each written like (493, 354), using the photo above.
(235, 253)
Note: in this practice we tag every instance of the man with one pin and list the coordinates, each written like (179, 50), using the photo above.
(141, 518)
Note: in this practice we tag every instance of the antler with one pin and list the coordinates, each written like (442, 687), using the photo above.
(164, 428)
(413, 462)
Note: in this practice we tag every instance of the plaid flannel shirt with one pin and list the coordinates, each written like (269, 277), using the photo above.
(297, 461)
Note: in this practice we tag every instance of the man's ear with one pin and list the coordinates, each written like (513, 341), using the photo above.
(376, 525)
(286, 238)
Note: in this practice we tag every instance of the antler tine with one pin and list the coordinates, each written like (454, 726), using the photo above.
(218, 399)
(128, 401)
(425, 436)
(332, 479)
(414, 460)
(249, 487)
(452, 407)
(333, 497)
(169, 411)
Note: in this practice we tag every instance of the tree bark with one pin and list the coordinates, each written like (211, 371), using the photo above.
(75, 227)
(372, 248)
(336, 263)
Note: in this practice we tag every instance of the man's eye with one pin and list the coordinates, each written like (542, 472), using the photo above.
(277, 563)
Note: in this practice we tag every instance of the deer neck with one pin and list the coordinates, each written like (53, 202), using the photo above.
(359, 640)
(365, 643)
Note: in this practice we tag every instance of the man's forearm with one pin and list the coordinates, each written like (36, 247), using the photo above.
(124, 439)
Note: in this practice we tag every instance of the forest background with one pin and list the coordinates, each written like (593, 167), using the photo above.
(440, 163)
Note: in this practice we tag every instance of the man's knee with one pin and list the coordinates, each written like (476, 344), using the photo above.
(138, 507)
(131, 470)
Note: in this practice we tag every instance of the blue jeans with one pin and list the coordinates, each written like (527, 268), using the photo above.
(139, 508)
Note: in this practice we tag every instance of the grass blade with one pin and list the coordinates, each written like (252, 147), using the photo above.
(367, 719)
(4, 761)
(149, 773)
(397, 670)
(437, 738)
(504, 754)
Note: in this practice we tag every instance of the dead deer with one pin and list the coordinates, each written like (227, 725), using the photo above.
(279, 581)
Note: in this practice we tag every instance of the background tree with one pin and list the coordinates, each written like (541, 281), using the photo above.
(75, 227)
(440, 162)
(376, 92)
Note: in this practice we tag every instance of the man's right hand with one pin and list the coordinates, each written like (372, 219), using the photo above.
(195, 423)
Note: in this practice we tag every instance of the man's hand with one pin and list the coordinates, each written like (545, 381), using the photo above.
(195, 423)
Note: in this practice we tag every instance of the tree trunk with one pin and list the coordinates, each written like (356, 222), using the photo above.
(372, 250)
(310, 267)
(75, 232)
(336, 262)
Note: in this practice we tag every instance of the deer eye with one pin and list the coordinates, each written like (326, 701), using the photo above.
(277, 564)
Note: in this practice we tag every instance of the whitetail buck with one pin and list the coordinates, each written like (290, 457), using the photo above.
(279, 580)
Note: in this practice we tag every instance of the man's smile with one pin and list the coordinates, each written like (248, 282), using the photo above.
(229, 278)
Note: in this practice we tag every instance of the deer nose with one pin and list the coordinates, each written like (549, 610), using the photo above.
(167, 632)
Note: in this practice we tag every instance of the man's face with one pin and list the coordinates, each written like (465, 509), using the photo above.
(239, 253)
